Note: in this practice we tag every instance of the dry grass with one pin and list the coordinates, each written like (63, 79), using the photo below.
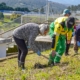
(68, 69)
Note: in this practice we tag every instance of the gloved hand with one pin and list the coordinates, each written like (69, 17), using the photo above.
(78, 43)
(28, 47)
(38, 53)
(73, 34)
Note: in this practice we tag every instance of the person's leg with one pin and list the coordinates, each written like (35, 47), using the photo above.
(22, 50)
(51, 58)
(67, 49)
(76, 46)
(60, 51)
(19, 54)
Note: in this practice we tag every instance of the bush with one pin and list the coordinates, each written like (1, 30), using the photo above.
(14, 16)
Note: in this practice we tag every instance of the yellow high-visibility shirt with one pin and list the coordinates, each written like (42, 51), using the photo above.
(60, 30)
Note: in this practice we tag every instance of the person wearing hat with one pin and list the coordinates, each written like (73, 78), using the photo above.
(67, 13)
(77, 38)
(28, 32)
(62, 26)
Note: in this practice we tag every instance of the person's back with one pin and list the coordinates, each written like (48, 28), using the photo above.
(66, 13)
(60, 19)
(57, 21)
(24, 31)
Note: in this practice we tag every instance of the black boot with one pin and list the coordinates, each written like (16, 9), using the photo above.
(21, 65)
(67, 49)
(66, 54)
(50, 63)
(76, 52)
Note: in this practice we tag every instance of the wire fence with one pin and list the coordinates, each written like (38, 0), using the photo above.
(8, 28)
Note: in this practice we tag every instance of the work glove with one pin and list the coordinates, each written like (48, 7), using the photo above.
(73, 34)
(28, 47)
(39, 53)
(78, 43)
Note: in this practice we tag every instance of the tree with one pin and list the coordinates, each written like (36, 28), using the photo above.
(35, 10)
(42, 10)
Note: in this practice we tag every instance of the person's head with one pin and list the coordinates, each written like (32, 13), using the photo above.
(70, 22)
(66, 12)
(44, 28)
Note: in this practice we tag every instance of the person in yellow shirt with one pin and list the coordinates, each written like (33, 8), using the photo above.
(62, 26)
(66, 13)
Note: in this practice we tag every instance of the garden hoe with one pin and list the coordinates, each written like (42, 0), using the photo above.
(38, 65)
(45, 56)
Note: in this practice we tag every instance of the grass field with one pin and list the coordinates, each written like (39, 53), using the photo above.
(68, 69)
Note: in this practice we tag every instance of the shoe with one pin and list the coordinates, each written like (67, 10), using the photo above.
(21, 65)
(56, 63)
(50, 63)
(66, 54)
(23, 70)
(76, 52)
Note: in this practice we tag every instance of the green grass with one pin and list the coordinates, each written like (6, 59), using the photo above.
(68, 69)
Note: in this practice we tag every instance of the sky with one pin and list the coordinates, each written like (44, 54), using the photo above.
(71, 2)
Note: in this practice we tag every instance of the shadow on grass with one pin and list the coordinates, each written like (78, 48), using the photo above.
(41, 66)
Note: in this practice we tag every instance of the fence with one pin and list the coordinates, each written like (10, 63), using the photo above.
(9, 27)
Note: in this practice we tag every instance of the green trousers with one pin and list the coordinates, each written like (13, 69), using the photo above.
(60, 49)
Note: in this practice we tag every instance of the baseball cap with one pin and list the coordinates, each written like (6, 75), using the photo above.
(70, 22)
(66, 11)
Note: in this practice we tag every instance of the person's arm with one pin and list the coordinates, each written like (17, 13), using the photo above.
(31, 41)
(57, 31)
(51, 29)
(69, 36)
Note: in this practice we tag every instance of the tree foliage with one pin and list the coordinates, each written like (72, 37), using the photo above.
(42, 10)
(3, 6)
(74, 7)
(14, 16)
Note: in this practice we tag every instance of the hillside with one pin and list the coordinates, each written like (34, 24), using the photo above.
(34, 4)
